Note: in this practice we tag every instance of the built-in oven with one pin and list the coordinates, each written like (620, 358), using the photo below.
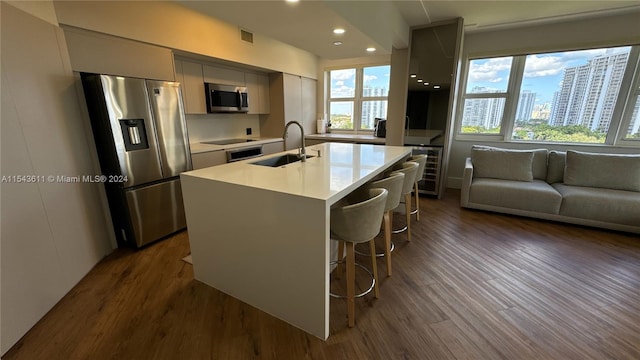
(244, 153)
(226, 98)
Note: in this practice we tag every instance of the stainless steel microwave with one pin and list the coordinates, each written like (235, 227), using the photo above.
(226, 98)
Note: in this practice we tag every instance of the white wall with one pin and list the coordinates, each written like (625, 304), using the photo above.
(176, 27)
(52, 233)
(221, 126)
(397, 96)
(41, 9)
(604, 31)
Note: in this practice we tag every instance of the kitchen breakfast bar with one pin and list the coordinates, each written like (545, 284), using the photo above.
(260, 233)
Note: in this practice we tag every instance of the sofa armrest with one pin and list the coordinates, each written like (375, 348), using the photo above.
(467, 176)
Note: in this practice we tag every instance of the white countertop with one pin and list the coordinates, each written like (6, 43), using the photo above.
(199, 147)
(361, 138)
(340, 168)
(421, 137)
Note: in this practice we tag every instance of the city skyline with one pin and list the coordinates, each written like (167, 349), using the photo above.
(589, 92)
(542, 72)
(585, 94)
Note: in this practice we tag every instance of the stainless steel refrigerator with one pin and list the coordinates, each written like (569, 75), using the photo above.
(142, 143)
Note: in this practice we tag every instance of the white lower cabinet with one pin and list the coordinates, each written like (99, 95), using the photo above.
(272, 148)
(209, 158)
(219, 157)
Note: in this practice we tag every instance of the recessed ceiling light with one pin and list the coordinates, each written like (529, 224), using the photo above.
(337, 43)
(338, 31)
(419, 80)
(436, 86)
(371, 49)
(413, 75)
(292, 1)
(425, 84)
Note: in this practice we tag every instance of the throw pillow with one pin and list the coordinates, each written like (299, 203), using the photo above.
(611, 171)
(504, 164)
(555, 172)
(539, 163)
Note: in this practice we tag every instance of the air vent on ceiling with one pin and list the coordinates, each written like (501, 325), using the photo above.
(246, 36)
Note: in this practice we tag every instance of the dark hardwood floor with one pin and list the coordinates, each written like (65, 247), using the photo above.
(471, 285)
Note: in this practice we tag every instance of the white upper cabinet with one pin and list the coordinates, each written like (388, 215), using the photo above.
(219, 75)
(292, 98)
(258, 89)
(263, 92)
(193, 74)
(103, 54)
(190, 75)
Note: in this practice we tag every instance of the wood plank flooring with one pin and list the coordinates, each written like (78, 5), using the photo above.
(471, 285)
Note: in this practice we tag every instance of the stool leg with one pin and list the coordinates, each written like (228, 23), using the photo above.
(417, 202)
(340, 259)
(387, 239)
(374, 265)
(351, 284)
(407, 206)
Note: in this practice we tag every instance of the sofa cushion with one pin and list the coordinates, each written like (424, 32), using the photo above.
(538, 164)
(503, 164)
(535, 195)
(607, 205)
(555, 168)
(610, 171)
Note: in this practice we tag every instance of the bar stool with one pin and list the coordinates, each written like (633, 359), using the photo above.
(422, 164)
(357, 223)
(393, 184)
(409, 170)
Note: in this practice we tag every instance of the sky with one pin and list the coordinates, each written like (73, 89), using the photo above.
(343, 81)
(542, 73)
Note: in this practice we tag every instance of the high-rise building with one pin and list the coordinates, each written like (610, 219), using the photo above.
(588, 92)
(486, 112)
(541, 111)
(372, 109)
(634, 126)
(525, 105)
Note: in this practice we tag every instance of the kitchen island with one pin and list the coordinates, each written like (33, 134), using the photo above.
(261, 234)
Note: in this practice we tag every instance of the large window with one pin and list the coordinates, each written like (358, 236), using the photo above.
(357, 96)
(586, 96)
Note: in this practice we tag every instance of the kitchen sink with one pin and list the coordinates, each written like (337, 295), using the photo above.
(279, 160)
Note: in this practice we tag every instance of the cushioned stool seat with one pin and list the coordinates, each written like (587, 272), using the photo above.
(393, 184)
(356, 223)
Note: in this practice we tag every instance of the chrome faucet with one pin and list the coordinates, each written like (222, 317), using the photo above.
(302, 154)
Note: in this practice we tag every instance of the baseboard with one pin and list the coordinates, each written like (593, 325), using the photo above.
(454, 182)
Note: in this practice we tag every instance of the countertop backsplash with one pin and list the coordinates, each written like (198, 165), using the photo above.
(222, 126)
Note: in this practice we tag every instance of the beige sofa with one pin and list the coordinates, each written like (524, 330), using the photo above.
(600, 190)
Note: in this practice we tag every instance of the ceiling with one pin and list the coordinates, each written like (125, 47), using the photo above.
(382, 24)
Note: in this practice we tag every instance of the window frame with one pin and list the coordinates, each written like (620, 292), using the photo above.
(358, 99)
(624, 109)
(621, 118)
